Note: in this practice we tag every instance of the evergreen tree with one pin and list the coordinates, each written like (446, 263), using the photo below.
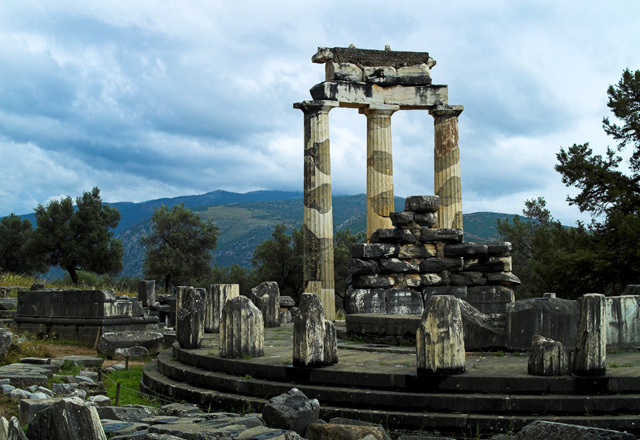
(79, 239)
(179, 246)
(279, 259)
(17, 253)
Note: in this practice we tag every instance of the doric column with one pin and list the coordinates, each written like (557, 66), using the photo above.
(317, 225)
(379, 166)
(446, 158)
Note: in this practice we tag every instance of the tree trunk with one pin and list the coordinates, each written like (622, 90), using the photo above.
(167, 280)
(73, 274)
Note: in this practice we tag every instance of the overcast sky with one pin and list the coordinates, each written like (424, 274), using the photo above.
(150, 99)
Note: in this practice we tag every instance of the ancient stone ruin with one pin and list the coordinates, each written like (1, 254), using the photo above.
(378, 83)
(80, 314)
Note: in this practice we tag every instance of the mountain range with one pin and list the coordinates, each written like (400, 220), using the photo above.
(245, 220)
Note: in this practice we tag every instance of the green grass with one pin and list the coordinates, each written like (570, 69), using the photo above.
(68, 369)
(500, 353)
(129, 381)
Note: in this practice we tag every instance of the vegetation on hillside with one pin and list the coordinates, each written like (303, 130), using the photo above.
(179, 245)
(603, 255)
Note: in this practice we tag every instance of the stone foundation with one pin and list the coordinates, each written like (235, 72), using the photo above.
(79, 314)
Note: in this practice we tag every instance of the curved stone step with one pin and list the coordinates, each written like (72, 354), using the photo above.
(494, 403)
(469, 383)
(155, 382)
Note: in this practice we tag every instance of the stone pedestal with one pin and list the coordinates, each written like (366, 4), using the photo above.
(266, 297)
(591, 345)
(216, 298)
(440, 339)
(379, 166)
(147, 293)
(314, 338)
(190, 325)
(317, 228)
(548, 357)
(447, 165)
(241, 329)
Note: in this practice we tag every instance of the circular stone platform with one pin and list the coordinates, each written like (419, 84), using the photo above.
(377, 383)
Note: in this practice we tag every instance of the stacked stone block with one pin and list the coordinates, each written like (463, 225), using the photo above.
(190, 321)
(402, 267)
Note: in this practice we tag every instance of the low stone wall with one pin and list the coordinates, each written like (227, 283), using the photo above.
(79, 314)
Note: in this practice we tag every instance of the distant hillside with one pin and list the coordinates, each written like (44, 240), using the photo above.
(244, 225)
(246, 220)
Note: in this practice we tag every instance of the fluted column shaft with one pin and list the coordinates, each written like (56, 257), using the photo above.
(318, 272)
(446, 158)
(379, 166)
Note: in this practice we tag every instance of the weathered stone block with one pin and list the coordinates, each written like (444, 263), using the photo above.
(110, 341)
(499, 249)
(591, 344)
(292, 411)
(404, 302)
(422, 203)
(190, 321)
(405, 280)
(490, 299)
(241, 329)
(440, 338)
(374, 250)
(623, 321)
(366, 301)
(216, 298)
(433, 279)
(374, 281)
(490, 264)
(312, 343)
(541, 429)
(503, 278)
(342, 72)
(415, 75)
(401, 219)
(457, 291)
(287, 301)
(548, 357)
(69, 419)
(467, 279)
(362, 267)
(266, 296)
(553, 318)
(327, 431)
(147, 292)
(395, 265)
(417, 251)
(442, 234)
(437, 265)
(465, 250)
(426, 219)
(482, 331)
(396, 236)
(382, 75)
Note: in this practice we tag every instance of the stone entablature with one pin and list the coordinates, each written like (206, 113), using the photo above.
(378, 83)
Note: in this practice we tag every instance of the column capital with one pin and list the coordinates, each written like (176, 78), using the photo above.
(378, 109)
(315, 106)
(447, 111)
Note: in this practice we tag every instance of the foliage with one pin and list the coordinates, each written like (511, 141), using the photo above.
(17, 253)
(179, 246)
(234, 274)
(123, 285)
(279, 259)
(342, 243)
(29, 348)
(602, 256)
(79, 239)
(21, 280)
(129, 381)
